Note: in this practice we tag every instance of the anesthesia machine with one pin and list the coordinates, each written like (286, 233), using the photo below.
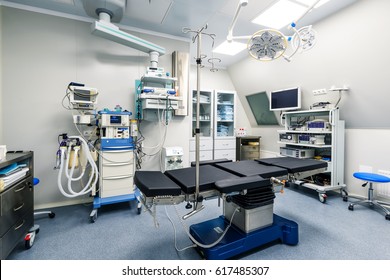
(110, 144)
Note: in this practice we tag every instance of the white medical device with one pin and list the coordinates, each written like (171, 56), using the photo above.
(173, 158)
(83, 98)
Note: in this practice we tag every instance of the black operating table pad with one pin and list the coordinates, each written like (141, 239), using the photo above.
(294, 165)
(224, 177)
(250, 168)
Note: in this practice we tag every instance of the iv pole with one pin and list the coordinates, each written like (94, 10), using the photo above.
(198, 36)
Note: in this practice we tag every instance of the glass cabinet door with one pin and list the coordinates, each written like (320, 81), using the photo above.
(225, 114)
(205, 113)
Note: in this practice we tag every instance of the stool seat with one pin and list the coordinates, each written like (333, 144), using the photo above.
(371, 177)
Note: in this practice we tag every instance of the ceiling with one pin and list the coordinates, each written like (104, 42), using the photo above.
(170, 16)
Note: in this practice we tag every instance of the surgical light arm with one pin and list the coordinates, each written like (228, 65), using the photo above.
(243, 3)
(105, 29)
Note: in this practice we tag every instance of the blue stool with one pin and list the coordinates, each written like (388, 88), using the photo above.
(372, 178)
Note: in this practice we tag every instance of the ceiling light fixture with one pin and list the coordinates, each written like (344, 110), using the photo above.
(280, 14)
(230, 48)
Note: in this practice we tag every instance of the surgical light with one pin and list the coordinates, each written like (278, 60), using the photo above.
(280, 14)
(230, 48)
(267, 45)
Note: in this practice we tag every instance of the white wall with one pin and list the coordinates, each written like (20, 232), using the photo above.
(345, 54)
(1, 76)
(42, 54)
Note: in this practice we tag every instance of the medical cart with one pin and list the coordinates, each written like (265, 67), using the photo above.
(116, 162)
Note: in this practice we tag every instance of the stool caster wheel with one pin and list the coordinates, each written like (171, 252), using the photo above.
(345, 198)
(387, 217)
(350, 207)
(52, 215)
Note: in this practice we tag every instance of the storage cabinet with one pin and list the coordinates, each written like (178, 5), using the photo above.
(224, 125)
(248, 148)
(216, 125)
(16, 201)
(317, 134)
(205, 125)
(205, 149)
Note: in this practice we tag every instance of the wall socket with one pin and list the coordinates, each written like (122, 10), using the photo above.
(319, 91)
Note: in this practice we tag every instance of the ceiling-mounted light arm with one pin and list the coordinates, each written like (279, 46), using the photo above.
(288, 58)
(241, 3)
(311, 7)
(298, 36)
(112, 10)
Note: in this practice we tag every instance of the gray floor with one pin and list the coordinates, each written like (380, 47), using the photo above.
(326, 232)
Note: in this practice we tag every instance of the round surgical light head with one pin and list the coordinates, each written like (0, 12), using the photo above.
(267, 45)
(307, 37)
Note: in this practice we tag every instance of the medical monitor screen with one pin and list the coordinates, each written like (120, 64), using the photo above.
(115, 119)
(259, 105)
(82, 95)
(286, 99)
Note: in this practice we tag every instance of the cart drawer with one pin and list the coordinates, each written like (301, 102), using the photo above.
(250, 148)
(16, 233)
(116, 185)
(121, 169)
(15, 202)
(250, 155)
(117, 157)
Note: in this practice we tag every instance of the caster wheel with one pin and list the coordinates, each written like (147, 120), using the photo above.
(322, 197)
(350, 207)
(139, 210)
(345, 198)
(27, 244)
(387, 217)
(29, 239)
(52, 215)
(92, 218)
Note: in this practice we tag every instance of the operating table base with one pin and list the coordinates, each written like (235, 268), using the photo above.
(236, 242)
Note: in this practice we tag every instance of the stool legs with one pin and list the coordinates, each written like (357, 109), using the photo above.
(49, 213)
(372, 202)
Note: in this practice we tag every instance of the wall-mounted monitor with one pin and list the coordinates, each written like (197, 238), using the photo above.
(285, 99)
(259, 105)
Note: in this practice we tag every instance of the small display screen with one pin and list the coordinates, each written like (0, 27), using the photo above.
(81, 95)
(288, 99)
(115, 119)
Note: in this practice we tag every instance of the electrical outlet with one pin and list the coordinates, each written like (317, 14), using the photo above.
(319, 91)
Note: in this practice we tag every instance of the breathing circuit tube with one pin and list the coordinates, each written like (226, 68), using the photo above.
(69, 174)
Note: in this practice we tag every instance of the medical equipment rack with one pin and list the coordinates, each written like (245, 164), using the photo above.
(305, 127)
(116, 163)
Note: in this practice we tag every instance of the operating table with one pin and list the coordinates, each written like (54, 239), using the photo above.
(248, 191)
